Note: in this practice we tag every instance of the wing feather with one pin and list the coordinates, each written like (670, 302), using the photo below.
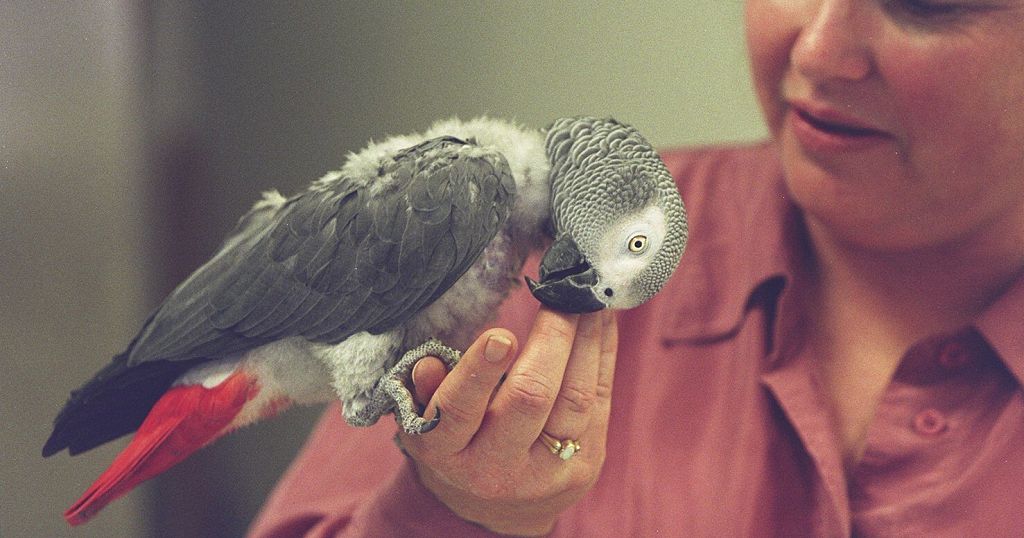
(340, 251)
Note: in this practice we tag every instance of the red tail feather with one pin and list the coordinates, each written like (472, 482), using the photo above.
(186, 418)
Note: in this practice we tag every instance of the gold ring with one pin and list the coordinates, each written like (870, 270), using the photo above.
(563, 449)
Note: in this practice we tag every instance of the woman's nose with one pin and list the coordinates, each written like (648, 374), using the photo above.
(832, 43)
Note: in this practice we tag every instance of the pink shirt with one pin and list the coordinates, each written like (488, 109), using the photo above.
(719, 425)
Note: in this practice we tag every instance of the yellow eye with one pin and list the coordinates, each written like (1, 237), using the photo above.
(638, 243)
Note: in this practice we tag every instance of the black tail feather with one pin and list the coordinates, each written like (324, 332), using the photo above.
(113, 403)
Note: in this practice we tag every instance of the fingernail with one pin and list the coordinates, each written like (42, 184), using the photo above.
(415, 367)
(497, 348)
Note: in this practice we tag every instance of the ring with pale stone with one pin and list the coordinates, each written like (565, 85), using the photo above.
(563, 449)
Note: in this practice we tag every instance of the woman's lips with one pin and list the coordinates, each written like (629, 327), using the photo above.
(825, 131)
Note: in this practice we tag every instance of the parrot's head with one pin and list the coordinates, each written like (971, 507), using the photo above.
(619, 222)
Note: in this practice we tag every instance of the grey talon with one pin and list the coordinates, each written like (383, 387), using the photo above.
(432, 423)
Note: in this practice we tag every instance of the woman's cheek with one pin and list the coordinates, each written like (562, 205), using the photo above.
(770, 35)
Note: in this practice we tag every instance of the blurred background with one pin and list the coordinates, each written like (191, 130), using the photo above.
(134, 134)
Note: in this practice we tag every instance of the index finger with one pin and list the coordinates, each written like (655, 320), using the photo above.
(525, 399)
(463, 396)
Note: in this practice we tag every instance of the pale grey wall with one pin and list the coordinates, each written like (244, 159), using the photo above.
(271, 96)
(71, 234)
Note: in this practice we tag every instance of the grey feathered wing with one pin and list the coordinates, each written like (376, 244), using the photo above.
(346, 256)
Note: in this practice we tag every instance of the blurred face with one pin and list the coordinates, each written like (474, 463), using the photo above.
(900, 122)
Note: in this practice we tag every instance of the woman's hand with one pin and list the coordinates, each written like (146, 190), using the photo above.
(485, 459)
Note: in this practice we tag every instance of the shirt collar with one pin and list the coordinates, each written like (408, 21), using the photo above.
(744, 231)
(1000, 324)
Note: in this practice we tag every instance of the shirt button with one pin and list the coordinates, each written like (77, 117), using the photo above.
(930, 422)
(954, 355)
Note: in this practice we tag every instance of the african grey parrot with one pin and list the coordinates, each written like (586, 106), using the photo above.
(336, 292)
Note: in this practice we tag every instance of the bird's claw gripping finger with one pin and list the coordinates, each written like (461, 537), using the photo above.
(397, 388)
(392, 391)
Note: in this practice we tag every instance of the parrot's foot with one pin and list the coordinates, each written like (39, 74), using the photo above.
(392, 392)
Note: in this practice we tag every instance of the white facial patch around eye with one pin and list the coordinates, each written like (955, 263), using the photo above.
(617, 258)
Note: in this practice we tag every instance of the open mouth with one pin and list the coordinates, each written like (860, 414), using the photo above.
(837, 128)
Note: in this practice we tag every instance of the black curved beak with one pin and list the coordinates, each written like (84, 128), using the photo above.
(566, 279)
